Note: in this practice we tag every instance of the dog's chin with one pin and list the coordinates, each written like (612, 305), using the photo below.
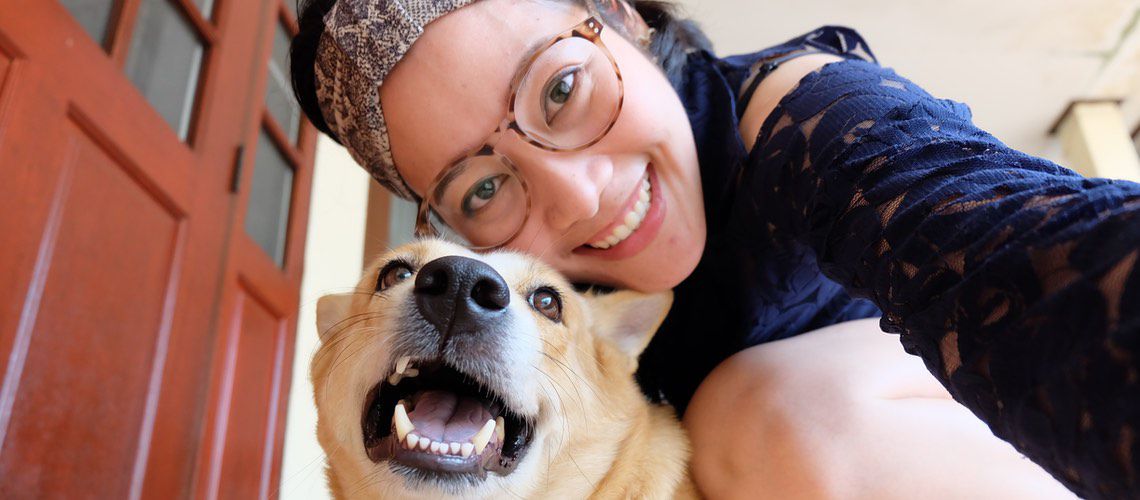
(437, 426)
(452, 483)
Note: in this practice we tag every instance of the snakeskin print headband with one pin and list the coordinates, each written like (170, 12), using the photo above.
(363, 40)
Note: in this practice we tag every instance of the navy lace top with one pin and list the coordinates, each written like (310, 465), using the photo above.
(1012, 277)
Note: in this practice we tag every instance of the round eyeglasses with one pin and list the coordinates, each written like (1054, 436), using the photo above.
(567, 98)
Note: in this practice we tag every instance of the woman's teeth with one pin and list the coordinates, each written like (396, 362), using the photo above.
(632, 219)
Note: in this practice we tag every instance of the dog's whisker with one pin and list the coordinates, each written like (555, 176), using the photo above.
(565, 431)
(570, 371)
(338, 329)
(567, 371)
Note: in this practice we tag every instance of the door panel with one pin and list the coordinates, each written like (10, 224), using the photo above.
(111, 229)
(256, 371)
(262, 283)
(124, 254)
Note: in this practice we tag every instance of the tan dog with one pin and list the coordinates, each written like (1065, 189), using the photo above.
(452, 374)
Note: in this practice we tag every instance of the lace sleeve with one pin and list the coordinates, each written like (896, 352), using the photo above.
(1012, 277)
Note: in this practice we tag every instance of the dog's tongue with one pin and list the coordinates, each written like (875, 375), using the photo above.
(447, 417)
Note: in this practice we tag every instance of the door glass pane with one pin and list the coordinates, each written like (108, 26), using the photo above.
(267, 217)
(92, 15)
(164, 62)
(205, 7)
(278, 98)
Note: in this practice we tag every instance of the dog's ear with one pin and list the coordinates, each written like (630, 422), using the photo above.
(331, 310)
(628, 319)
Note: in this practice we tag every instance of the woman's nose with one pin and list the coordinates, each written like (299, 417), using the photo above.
(568, 189)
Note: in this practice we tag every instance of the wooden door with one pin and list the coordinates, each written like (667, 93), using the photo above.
(136, 303)
(253, 365)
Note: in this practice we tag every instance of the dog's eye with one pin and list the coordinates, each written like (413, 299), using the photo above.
(393, 273)
(547, 302)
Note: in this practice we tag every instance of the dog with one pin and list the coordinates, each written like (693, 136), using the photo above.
(451, 374)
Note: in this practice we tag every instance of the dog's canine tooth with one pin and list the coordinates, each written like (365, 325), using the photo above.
(454, 448)
(403, 424)
(412, 441)
(402, 364)
(465, 449)
(500, 429)
(394, 379)
(484, 435)
(411, 372)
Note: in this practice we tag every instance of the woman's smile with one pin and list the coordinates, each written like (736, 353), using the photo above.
(629, 219)
(635, 225)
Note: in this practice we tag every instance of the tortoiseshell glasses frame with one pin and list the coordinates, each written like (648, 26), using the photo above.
(590, 30)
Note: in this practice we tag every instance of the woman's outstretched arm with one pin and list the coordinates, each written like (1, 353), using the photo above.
(1012, 277)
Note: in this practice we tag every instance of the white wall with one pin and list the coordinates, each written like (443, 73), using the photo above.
(333, 253)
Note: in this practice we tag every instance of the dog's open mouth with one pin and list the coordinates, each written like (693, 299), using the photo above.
(432, 418)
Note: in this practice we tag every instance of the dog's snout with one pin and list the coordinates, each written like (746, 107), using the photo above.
(460, 292)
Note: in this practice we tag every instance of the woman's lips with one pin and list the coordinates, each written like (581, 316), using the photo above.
(629, 218)
(642, 235)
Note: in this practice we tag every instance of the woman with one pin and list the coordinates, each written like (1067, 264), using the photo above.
(605, 138)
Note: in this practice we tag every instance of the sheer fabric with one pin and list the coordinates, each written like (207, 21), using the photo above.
(1012, 277)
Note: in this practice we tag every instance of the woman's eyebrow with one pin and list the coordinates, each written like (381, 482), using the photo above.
(524, 61)
(520, 67)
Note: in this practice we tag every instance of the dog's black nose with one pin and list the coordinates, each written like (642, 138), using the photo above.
(457, 293)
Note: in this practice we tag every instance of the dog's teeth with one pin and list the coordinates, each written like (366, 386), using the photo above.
(435, 446)
(413, 440)
(403, 425)
(394, 379)
(454, 448)
(425, 443)
(465, 449)
(484, 435)
(411, 372)
(402, 364)
(500, 429)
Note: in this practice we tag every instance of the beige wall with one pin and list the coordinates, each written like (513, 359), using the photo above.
(333, 254)
(1017, 63)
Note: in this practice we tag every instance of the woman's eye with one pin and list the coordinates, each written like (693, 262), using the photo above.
(558, 93)
(548, 303)
(392, 274)
(481, 193)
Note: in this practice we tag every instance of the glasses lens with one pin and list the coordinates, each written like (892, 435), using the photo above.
(482, 200)
(570, 95)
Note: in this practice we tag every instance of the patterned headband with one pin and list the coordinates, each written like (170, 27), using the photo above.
(363, 40)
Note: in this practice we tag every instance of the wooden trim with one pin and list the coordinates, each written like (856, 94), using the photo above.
(121, 32)
(1053, 129)
(282, 141)
(376, 222)
(206, 31)
(287, 18)
(1096, 142)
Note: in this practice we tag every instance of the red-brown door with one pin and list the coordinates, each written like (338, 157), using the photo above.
(251, 378)
(148, 309)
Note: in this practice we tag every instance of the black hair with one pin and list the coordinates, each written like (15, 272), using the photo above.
(673, 38)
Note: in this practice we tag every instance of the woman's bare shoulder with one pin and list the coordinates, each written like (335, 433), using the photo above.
(774, 87)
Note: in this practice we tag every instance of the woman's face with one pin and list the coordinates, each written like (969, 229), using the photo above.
(450, 93)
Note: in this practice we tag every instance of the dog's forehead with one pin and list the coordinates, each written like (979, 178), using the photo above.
(431, 249)
(519, 269)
